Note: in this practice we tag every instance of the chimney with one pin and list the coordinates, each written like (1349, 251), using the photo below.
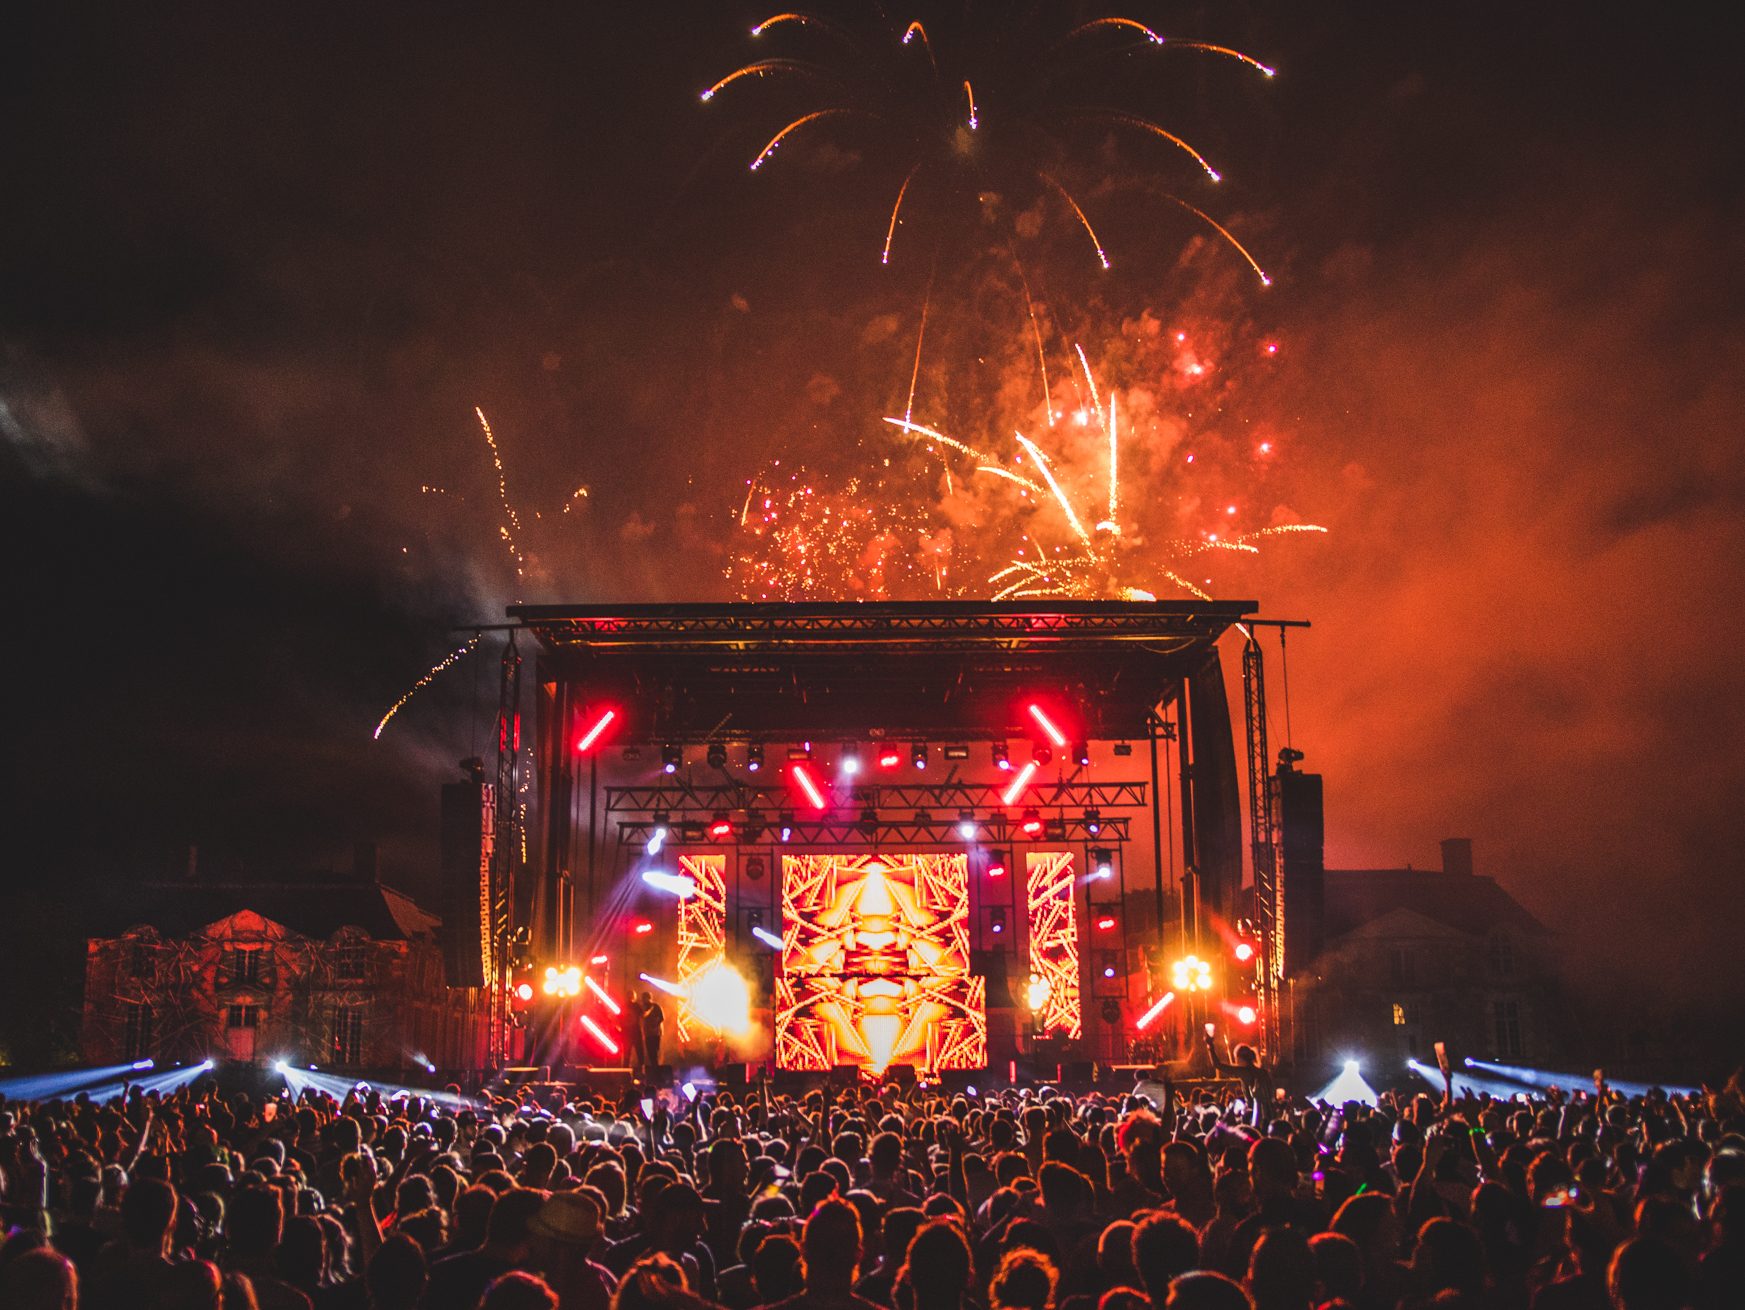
(1457, 855)
(364, 865)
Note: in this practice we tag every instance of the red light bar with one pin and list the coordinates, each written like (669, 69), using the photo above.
(1162, 1002)
(599, 1035)
(1020, 782)
(1055, 735)
(593, 734)
(803, 776)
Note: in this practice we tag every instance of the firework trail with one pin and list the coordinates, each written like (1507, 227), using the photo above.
(448, 661)
(510, 531)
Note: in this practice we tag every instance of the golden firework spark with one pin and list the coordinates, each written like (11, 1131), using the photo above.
(446, 662)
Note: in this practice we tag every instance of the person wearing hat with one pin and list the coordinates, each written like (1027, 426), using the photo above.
(565, 1232)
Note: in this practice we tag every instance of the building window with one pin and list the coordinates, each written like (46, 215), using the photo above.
(1399, 1015)
(348, 1035)
(136, 1032)
(1502, 956)
(1402, 966)
(1508, 1024)
(351, 963)
(243, 965)
(243, 1016)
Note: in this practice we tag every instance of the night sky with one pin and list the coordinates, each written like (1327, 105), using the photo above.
(258, 264)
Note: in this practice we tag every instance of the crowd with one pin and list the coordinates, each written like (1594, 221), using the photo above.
(867, 1196)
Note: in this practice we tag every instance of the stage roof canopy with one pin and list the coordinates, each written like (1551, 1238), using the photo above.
(928, 670)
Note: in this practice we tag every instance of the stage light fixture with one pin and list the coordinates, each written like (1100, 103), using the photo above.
(642, 927)
(997, 867)
(1246, 1015)
(1244, 952)
(1108, 971)
(767, 937)
(997, 919)
(1013, 792)
(753, 826)
(1102, 862)
(869, 820)
(848, 760)
(956, 751)
(670, 758)
(1093, 824)
(966, 825)
(656, 839)
(1081, 753)
(1123, 748)
(754, 757)
(1161, 1004)
(673, 884)
(524, 991)
(1106, 922)
(801, 750)
(717, 755)
(1002, 756)
(1054, 830)
(889, 756)
(1043, 755)
(923, 818)
(785, 823)
(1191, 974)
(721, 827)
(803, 775)
(1031, 823)
(918, 755)
(690, 833)
(592, 735)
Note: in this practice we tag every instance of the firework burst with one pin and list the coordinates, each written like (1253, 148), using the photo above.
(959, 112)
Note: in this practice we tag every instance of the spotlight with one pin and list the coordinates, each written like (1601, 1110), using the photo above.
(1108, 971)
(660, 832)
(642, 928)
(1353, 1065)
(1244, 952)
(1043, 755)
(1081, 753)
(1106, 922)
(673, 884)
(717, 755)
(918, 755)
(1102, 862)
(997, 866)
(848, 760)
(524, 991)
(1002, 756)
(754, 757)
(785, 823)
(767, 937)
(1031, 823)
(281, 1066)
(670, 758)
(869, 820)
(1093, 823)
(1191, 974)
(889, 756)
(721, 827)
(1246, 1015)
(966, 825)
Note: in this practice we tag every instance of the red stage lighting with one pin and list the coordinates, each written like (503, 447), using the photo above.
(1032, 822)
(1019, 783)
(1106, 922)
(599, 1035)
(889, 757)
(592, 735)
(642, 926)
(524, 991)
(802, 775)
(722, 827)
(1246, 1015)
(996, 871)
(1157, 1009)
(1055, 735)
(1244, 952)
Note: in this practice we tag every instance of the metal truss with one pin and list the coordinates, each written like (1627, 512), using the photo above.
(1269, 886)
(681, 801)
(934, 623)
(890, 831)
